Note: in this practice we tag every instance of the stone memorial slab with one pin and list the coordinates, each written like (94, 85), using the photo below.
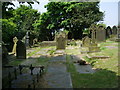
(60, 40)
(114, 30)
(100, 34)
(20, 50)
(84, 68)
(86, 41)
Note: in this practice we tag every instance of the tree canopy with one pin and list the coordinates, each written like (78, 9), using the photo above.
(72, 16)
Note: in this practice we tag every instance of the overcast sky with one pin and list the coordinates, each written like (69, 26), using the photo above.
(110, 7)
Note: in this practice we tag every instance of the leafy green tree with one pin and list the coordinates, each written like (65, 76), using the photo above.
(24, 17)
(8, 30)
(72, 16)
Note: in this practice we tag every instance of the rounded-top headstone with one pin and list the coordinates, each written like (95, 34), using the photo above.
(20, 50)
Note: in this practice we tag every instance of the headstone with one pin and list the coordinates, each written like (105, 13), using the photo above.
(93, 47)
(108, 32)
(100, 34)
(86, 41)
(60, 41)
(20, 50)
(114, 30)
(118, 34)
(15, 40)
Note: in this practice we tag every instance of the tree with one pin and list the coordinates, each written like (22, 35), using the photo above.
(24, 17)
(7, 11)
(8, 30)
(72, 16)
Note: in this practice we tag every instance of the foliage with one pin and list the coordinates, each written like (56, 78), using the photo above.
(24, 17)
(72, 16)
(8, 30)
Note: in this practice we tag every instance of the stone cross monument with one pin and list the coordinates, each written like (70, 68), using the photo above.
(15, 40)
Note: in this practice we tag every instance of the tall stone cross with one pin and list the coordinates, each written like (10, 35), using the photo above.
(15, 44)
(93, 28)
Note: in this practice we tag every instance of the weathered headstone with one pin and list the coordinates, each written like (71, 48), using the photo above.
(86, 41)
(15, 40)
(100, 34)
(20, 50)
(118, 34)
(108, 32)
(60, 41)
(114, 30)
(93, 47)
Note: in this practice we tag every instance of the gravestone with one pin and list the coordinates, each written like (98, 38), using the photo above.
(118, 34)
(100, 34)
(20, 50)
(86, 41)
(60, 40)
(108, 32)
(93, 47)
(15, 40)
(114, 30)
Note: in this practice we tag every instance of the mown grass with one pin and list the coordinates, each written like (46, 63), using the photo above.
(105, 77)
(101, 79)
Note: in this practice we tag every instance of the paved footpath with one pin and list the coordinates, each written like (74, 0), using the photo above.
(57, 75)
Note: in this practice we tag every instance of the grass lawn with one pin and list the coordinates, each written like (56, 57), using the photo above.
(105, 77)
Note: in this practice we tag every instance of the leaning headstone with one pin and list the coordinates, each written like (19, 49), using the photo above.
(60, 41)
(15, 40)
(86, 41)
(20, 50)
(100, 34)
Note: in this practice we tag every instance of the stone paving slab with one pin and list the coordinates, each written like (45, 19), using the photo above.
(61, 80)
(58, 58)
(84, 68)
(58, 77)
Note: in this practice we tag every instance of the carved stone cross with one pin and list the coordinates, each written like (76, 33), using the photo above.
(15, 44)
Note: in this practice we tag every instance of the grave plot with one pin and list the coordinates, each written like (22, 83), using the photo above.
(57, 75)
